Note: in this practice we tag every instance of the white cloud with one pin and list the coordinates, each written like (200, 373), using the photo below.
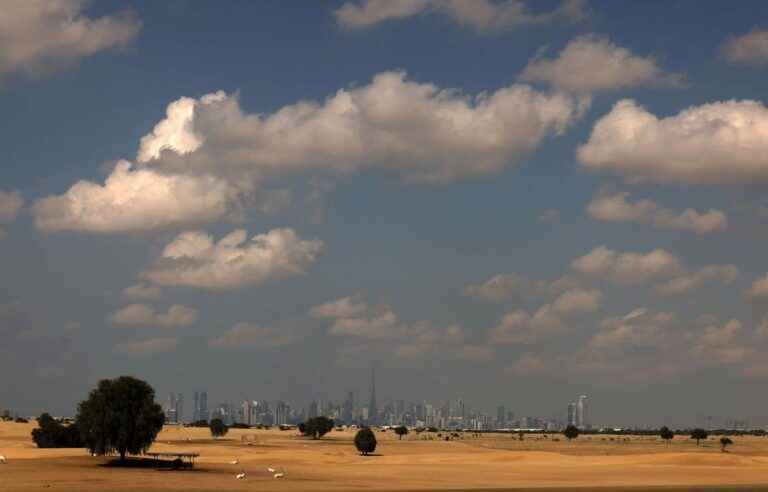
(726, 274)
(139, 199)
(504, 286)
(38, 36)
(142, 291)
(251, 335)
(193, 259)
(616, 208)
(520, 327)
(759, 288)
(627, 268)
(717, 143)
(591, 63)
(718, 344)
(480, 15)
(208, 160)
(417, 130)
(346, 307)
(10, 206)
(749, 49)
(637, 330)
(146, 347)
(143, 314)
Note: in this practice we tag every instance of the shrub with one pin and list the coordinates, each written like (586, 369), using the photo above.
(365, 441)
(218, 428)
(53, 434)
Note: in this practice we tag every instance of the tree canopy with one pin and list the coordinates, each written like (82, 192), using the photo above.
(666, 434)
(120, 415)
(365, 441)
(316, 427)
(218, 428)
(699, 434)
(401, 431)
(725, 442)
(571, 432)
(51, 433)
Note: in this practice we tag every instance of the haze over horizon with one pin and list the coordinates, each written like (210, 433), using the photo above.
(510, 202)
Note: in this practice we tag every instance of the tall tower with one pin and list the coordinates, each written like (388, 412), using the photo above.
(581, 412)
(372, 409)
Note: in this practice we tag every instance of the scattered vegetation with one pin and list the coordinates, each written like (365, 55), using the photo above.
(120, 415)
(699, 434)
(401, 431)
(218, 428)
(316, 427)
(571, 432)
(53, 434)
(365, 441)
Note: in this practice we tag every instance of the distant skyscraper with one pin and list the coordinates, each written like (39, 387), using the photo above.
(203, 406)
(572, 414)
(372, 408)
(501, 417)
(314, 410)
(179, 406)
(195, 407)
(581, 412)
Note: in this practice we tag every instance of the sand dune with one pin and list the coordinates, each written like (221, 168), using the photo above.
(416, 463)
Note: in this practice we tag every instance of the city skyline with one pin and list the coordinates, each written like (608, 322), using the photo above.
(509, 202)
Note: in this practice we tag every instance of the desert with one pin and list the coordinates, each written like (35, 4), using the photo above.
(488, 461)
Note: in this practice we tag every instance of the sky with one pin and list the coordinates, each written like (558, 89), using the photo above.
(509, 202)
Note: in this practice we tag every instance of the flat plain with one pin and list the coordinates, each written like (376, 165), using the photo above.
(418, 462)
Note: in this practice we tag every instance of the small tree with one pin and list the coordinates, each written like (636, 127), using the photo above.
(724, 442)
(365, 441)
(317, 427)
(699, 434)
(571, 432)
(218, 428)
(51, 433)
(401, 431)
(120, 415)
(666, 434)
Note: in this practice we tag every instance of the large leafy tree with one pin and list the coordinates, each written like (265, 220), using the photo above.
(666, 434)
(218, 428)
(571, 432)
(365, 441)
(317, 427)
(120, 415)
(699, 434)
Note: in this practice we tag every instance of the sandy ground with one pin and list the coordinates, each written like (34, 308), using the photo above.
(415, 463)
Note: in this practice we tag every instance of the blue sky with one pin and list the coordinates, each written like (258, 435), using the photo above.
(478, 223)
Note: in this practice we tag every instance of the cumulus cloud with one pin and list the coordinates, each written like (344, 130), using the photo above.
(504, 286)
(683, 284)
(143, 314)
(628, 268)
(142, 291)
(717, 143)
(37, 36)
(346, 307)
(759, 288)
(616, 208)
(592, 63)
(480, 15)
(718, 344)
(136, 199)
(147, 347)
(748, 49)
(10, 206)
(208, 160)
(193, 259)
(251, 335)
(638, 330)
(520, 327)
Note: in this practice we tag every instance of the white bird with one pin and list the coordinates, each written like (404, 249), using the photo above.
(234, 462)
(271, 470)
(279, 475)
(240, 476)
(3, 460)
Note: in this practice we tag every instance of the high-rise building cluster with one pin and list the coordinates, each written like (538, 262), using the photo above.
(577, 413)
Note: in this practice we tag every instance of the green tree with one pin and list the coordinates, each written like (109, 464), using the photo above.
(51, 433)
(401, 431)
(571, 432)
(317, 427)
(666, 434)
(365, 441)
(120, 415)
(218, 428)
(724, 442)
(699, 434)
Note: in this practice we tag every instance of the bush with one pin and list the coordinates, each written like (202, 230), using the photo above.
(571, 432)
(316, 427)
(21, 420)
(724, 442)
(699, 434)
(218, 428)
(365, 441)
(53, 434)
(401, 431)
